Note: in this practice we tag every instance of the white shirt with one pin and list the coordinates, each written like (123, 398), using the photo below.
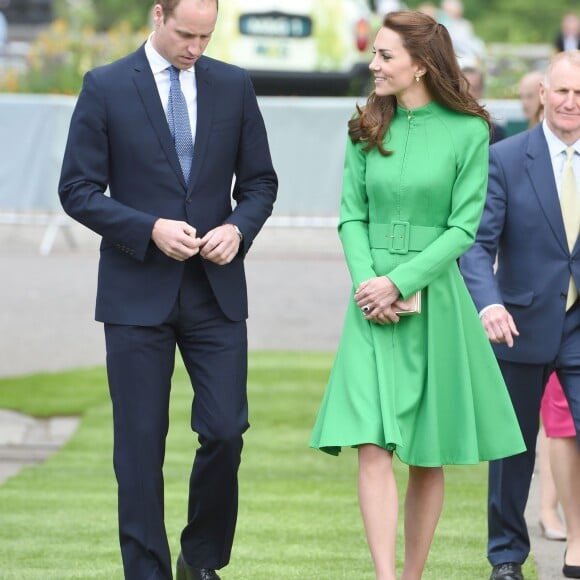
(557, 149)
(159, 66)
(569, 43)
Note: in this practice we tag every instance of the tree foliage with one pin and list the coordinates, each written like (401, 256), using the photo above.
(135, 12)
(515, 21)
(104, 14)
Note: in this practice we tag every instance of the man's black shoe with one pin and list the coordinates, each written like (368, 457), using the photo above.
(186, 572)
(508, 571)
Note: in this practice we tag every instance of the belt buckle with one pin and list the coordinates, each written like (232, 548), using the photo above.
(399, 237)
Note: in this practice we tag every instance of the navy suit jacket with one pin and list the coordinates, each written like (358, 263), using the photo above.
(119, 139)
(522, 224)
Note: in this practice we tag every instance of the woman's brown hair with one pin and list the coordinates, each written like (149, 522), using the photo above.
(429, 44)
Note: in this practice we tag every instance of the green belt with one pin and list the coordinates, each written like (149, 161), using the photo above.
(400, 237)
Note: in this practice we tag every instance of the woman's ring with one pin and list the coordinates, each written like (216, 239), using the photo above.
(365, 309)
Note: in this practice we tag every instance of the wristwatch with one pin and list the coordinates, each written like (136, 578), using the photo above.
(241, 236)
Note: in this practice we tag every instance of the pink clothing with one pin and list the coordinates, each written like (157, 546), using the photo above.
(555, 412)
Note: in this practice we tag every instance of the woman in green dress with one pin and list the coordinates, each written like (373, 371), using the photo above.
(426, 385)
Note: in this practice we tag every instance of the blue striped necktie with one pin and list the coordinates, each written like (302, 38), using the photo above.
(178, 119)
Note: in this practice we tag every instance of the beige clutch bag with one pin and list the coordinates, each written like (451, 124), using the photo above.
(412, 304)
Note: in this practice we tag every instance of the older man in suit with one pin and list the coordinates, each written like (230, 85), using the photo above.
(166, 129)
(529, 307)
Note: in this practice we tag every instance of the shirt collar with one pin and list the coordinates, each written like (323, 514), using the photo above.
(555, 145)
(156, 61)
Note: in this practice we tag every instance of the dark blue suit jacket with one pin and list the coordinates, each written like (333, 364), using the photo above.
(522, 224)
(120, 139)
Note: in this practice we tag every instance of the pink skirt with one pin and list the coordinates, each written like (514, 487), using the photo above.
(554, 410)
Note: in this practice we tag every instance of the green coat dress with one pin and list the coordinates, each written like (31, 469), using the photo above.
(428, 387)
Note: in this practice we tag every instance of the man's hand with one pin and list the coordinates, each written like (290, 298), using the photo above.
(221, 244)
(499, 325)
(175, 239)
(375, 298)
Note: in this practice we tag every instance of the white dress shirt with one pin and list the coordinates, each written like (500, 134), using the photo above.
(557, 150)
(159, 66)
(569, 43)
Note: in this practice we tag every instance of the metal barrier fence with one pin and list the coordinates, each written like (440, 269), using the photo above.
(307, 139)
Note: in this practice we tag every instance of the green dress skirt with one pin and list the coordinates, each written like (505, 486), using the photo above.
(429, 387)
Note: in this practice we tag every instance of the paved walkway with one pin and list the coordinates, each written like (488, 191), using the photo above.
(298, 287)
(27, 441)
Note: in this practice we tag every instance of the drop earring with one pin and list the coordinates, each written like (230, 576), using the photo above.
(417, 78)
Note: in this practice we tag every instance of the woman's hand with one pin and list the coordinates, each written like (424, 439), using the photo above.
(375, 298)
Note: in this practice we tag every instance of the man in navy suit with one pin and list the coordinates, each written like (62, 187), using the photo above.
(524, 305)
(171, 272)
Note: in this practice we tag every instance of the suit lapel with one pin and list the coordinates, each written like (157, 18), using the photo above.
(539, 167)
(205, 107)
(147, 89)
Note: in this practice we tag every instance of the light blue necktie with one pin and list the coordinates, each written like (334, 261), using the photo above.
(178, 119)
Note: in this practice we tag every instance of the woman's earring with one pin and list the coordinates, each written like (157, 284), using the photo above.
(417, 78)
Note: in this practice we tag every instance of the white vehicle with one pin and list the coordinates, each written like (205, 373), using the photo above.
(297, 47)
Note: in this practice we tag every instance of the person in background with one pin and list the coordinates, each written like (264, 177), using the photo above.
(430, 9)
(383, 7)
(556, 417)
(523, 273)
(569, 36)
(564, 455)
(468, 47)
(165, 130)
(529, 94)
(476, 82)
(414, 187)
(3, 24)
(551, 525)
(550, 522)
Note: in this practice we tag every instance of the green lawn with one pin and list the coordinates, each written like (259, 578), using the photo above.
(298, 516)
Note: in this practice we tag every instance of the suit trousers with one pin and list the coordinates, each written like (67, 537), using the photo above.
(140, 364)
(510, 478)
